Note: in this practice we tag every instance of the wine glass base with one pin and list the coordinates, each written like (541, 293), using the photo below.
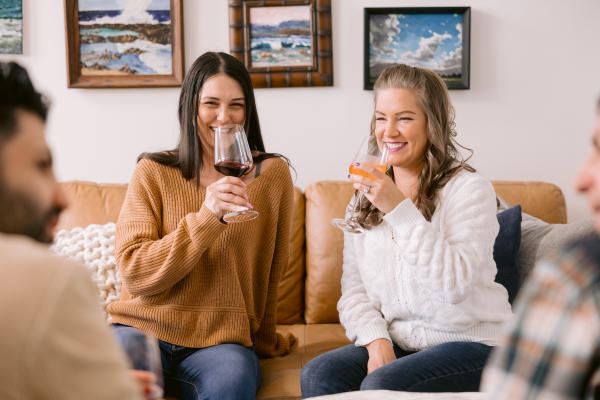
(240, 216)
(348, 226)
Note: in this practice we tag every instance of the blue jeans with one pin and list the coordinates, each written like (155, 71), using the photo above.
(448, 367)
(225, 371)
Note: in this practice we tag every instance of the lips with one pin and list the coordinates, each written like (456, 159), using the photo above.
(395, 146)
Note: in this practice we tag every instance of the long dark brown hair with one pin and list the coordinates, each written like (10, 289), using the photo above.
(187, 156)
(442, 158)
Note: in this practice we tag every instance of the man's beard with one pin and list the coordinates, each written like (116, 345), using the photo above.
(20, 215)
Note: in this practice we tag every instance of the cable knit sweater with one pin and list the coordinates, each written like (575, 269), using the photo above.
(420, 283)
(192, 280)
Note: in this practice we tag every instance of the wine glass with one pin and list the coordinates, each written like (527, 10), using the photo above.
(144, 353)
(233, 158)
(371, 155)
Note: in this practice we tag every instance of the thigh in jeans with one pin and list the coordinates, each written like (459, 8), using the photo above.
(337, 371)
(225, 371)
(448, 367)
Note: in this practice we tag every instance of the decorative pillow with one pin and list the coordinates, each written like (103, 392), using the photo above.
(539, 238)
(506, 250)
(93, 246)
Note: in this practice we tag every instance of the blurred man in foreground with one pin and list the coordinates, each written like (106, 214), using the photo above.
(54, 341)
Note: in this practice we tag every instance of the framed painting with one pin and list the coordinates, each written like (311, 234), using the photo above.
(11, 27)
(124, 43)
(436, 38)
(283, 43)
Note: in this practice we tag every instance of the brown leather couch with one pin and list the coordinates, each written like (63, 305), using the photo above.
(310, 288)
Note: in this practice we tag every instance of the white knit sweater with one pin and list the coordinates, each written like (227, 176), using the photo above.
(420, 283)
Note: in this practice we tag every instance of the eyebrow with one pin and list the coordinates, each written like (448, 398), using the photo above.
(596, 142)
(399, 112)
(216, 98)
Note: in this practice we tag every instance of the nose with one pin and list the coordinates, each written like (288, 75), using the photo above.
(583, 179)
(223, 116)
(60, 198)
(390, 129)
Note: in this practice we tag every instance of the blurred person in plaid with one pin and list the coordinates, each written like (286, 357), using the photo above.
(552, 348)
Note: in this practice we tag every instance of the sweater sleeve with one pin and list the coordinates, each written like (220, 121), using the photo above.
(448, 259)
(266, 339)
(148, 263)
(361, 318)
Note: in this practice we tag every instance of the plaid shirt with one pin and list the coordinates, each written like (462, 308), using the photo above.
(552, 347)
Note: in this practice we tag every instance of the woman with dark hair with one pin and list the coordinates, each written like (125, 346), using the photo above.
(419, 301)
(205, 288)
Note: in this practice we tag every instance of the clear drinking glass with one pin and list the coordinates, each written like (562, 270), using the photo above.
(233, 158)
(144, 354)
(369, 154)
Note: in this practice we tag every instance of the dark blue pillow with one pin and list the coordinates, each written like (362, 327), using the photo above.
(506, 250)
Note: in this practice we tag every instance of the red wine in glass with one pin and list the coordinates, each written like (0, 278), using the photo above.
(233, 158)
(232, 168)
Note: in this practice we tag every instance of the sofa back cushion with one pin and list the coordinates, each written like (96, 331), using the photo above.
(93, 203)
(324, 242)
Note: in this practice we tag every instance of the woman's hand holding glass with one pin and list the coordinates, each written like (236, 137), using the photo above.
(380, 189)
(227, 195)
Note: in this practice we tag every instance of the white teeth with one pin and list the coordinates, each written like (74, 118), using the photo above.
(394, 145)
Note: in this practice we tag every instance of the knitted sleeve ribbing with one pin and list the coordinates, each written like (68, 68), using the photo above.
(150, 264)
(360, 317)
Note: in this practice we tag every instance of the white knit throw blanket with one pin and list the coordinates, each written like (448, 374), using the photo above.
(94, 247)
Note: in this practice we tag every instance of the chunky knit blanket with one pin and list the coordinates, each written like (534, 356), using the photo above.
(93, 246)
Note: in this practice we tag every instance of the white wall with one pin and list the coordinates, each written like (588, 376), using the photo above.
(534, 80)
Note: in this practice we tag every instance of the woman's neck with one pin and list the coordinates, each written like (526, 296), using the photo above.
(407, 180)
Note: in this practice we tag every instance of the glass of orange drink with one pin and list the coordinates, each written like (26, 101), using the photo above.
(369, 154)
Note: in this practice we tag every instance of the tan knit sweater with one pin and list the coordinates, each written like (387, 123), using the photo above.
(192, 280)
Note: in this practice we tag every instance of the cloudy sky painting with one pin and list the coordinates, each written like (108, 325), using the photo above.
(433, 41)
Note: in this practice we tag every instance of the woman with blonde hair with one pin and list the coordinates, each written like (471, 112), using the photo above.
(419, 301)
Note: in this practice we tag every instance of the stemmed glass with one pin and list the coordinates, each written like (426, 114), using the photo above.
(233, 158)
(371, 155)
(144, 353)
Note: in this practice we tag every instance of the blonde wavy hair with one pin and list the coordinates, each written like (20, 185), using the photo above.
(442, 158)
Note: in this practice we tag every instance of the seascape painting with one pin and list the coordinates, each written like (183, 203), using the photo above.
(11, 27)
(281, 36)
(432, 41)
(125, 37)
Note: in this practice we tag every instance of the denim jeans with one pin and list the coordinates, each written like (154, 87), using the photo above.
(225, 371)
(448, 367)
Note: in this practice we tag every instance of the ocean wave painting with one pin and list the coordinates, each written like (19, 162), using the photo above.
(280, 36)
(432, 41)
(125, 37)
(11, 27)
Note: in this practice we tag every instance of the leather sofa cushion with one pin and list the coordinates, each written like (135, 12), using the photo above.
(281, 375)
(93, 203)
(324, 242)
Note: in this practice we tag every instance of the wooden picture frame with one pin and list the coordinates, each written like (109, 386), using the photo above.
(437, 38)
(119, 48)
(280, 52)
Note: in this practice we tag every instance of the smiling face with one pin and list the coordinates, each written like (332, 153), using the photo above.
(31, 199)
(401, 126)
(221, 102)
(587, 180)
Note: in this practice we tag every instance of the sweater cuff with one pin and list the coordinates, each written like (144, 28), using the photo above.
(205, 224)
(404, 213)
(366, 334)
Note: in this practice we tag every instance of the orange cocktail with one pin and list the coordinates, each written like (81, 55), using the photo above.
(355, 170)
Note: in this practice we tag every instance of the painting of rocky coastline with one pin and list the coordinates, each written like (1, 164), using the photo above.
(11, 27)
(281, 36)
(125, 37)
